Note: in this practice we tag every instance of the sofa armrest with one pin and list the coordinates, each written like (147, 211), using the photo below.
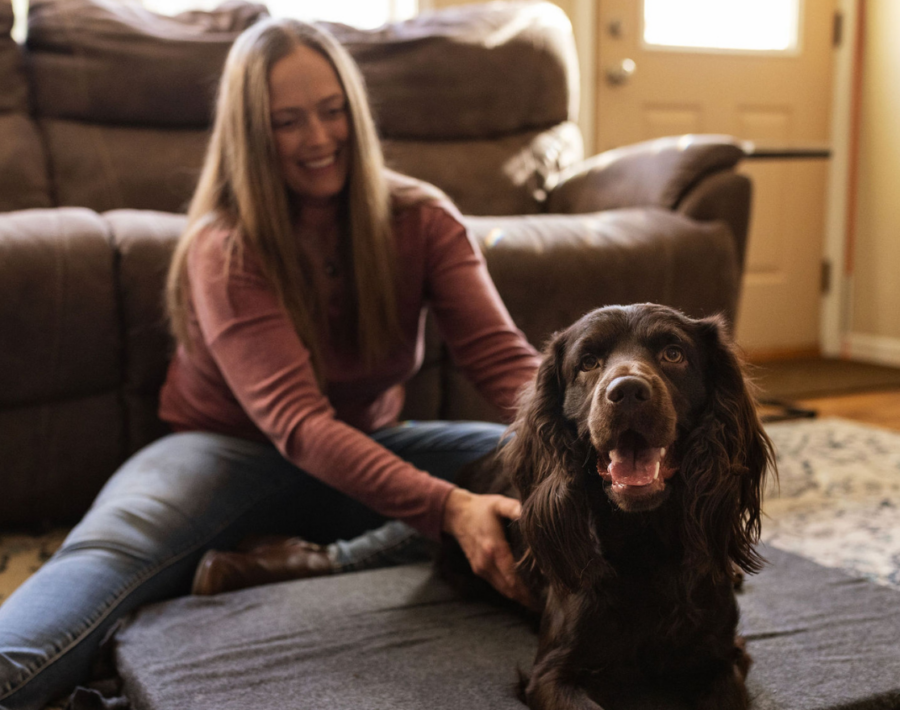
(657, 173)
(723, 196)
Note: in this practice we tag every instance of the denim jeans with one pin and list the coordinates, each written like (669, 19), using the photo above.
(186, 493)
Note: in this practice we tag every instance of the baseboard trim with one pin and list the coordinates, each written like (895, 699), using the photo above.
(877, 349)
(770, 355)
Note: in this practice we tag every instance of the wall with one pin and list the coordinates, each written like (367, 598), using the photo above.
(875, 304)
(567, 5)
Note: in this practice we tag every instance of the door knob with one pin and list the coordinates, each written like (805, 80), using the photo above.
(620, 73)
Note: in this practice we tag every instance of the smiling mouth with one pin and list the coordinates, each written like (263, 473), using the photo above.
(320, 163)
(633, 468)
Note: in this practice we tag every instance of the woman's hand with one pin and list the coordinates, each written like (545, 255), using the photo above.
(474, 520)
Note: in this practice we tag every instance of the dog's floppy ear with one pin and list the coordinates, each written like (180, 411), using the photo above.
(725, 462)
(542, 461)
(542, 435)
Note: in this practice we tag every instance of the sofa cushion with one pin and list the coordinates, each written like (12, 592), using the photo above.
(57, 456)
(144, 243)
(552, 269)
(117, 63)
(23, 165)
(57, 287)
(469, 72)
(24, 182)
(401, 639)
(60, 413)
(105, 167)
(506, 176)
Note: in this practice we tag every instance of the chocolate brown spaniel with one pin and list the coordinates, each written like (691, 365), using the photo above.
(639, 459)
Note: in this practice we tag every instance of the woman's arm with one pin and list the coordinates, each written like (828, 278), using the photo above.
(496, 357)
(475, 521)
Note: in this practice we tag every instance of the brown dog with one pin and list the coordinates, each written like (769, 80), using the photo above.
(639, 460)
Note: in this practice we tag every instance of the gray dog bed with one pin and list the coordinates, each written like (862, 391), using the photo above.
(400, 639)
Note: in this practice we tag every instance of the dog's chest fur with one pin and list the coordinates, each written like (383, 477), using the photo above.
(652, 625)
(638, 632)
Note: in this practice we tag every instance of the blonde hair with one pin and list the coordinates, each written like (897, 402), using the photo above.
(241, 189)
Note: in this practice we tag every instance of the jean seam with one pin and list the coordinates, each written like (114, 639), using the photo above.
(117, 599)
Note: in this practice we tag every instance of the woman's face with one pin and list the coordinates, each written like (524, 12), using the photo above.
(310, 123)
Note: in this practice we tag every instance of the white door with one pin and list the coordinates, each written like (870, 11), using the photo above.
(778, 97)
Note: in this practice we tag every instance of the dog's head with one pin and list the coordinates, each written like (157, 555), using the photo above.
(632, 386)
(645, 400)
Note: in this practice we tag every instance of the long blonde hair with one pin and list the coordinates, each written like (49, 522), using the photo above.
(241, 189)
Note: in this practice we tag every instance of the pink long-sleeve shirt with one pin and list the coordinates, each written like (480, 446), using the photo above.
(248, 374)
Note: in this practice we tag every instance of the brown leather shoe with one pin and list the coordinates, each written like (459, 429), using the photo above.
(277, 560)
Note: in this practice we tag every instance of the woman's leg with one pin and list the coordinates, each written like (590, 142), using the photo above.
(139, 543)
(145, 533)
(442, 449)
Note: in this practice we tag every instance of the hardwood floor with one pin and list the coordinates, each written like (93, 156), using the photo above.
(864, 392)
(881, 408)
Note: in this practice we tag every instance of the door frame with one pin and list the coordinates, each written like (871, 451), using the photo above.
(835, 321)
(838, 336)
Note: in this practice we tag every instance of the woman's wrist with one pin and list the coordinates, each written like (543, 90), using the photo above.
(456, 503)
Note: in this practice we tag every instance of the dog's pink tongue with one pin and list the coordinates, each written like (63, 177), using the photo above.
(634, 467)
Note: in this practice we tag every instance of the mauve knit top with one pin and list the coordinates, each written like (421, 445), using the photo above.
(247, 373)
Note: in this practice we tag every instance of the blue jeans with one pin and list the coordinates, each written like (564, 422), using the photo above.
(186, 493)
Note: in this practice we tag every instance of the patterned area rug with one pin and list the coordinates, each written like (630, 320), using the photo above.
(22, 554)
(838, 503)
(839, 497)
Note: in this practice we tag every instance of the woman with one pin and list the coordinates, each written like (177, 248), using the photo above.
(296, 295)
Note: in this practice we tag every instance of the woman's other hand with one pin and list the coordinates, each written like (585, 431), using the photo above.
(475, 521)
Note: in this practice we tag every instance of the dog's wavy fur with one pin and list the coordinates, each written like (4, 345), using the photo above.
(639, 599)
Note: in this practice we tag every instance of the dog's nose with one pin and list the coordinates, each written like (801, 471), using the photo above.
(628, 391)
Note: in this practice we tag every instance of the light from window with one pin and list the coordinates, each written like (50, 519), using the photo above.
(748, 25)
(20, 20)
(365, 14)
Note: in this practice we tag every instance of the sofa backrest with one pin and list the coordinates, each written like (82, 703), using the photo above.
(479, 100)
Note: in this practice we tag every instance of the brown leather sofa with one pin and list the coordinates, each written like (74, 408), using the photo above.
(103, 121)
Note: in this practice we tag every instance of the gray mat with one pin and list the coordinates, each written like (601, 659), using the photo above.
(399, 639)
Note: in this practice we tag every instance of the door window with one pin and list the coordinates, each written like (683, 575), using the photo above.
(722, 25)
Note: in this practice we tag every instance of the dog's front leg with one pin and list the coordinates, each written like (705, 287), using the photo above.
(548, 689)
(553, 684)
(728, 690)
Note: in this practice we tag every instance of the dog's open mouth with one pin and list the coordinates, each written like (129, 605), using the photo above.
(634, 469)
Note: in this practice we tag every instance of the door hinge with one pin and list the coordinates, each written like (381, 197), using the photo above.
(837, 29)
(825, 282)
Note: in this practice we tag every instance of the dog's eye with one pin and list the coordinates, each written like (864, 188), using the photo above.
(589, 362)
(673, 354)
